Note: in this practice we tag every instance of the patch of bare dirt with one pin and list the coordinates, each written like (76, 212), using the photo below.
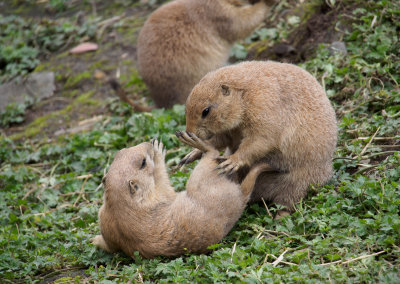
(82, 88)
(302, 42)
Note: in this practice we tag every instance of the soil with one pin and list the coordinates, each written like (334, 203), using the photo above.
(303, 41)
(82, 91)
(66, 274)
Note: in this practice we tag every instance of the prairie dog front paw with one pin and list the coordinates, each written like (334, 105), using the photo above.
(230, 166)
(159, 151)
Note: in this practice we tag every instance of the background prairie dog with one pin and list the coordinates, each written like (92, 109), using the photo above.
(184, 39)
(268, 111)
(142, 212)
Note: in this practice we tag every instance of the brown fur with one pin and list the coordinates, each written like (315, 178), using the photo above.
(184, 39)
(142, 212)
(268, 111)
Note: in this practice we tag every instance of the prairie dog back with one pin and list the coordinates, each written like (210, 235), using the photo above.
(184, 39)
(267, 111)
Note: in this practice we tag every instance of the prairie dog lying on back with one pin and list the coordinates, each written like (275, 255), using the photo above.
(267, 111)
(142, 212)
(184, 39)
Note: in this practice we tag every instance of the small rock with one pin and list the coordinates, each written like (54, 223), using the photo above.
(99, 75)
(38, 86)
(338, 47)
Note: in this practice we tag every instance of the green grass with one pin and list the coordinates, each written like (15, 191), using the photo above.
(347, 231)
(24, 41)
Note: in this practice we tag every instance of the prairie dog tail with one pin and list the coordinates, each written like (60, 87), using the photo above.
(249, 181)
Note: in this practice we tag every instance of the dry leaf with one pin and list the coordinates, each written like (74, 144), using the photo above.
(84, 47)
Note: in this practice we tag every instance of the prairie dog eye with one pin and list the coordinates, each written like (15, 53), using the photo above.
(205, 112)
(133, 187)
(143, 164)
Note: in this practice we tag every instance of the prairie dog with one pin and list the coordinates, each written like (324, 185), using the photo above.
(184, 39)
(142, 212)
(267, 111)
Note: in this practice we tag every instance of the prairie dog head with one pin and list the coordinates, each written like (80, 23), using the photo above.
(214, 106)
(130, 179)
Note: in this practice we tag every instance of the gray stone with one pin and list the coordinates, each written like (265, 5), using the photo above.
(36, 86)
(338, 47)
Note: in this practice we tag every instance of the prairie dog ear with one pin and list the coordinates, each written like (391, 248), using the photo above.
(103, 180)
(225, 90)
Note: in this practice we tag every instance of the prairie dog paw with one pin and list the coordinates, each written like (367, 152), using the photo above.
(191, 157)
(192, 140)
(159, 150)
(99, 242)
(229, 166)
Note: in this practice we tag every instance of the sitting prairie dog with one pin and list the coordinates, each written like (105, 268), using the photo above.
(266, 111)
(184, 39)
(142, 212)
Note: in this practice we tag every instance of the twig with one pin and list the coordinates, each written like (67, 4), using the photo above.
(362, 257)
(28, 193)
(289, 263)
(344, 158)
(284, 262)
(364, 169)
(106, 23)
(53, 169)
(326, 264)
(110, 20)
(140, 277)
(35, 170)
(52, 210)
(233, 251)
(394, 80)
(40, 164)
(266, 207)
(384, 113)
(276, 232)
(122, 95)
(17, 230)
(383, 190)
(370, 141)
(279, 259)
(388, 146)
(352, 259)
(86, 177)
(378, 138)
(373, 21)
(378, 154)
(363, 165)
(98, 187)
